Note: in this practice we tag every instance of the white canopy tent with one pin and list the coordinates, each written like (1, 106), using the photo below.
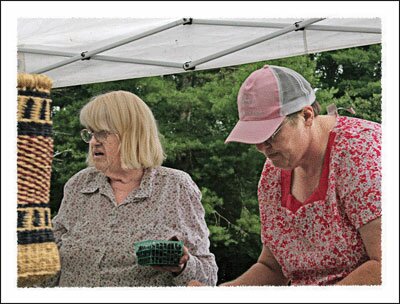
(75, 51)
(48, 35)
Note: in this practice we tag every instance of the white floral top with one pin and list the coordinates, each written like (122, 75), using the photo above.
(317, 242)
(96, 236)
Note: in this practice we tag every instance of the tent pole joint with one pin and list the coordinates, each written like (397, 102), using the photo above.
(298, 28)
(83, 55)
(187, 66)
(187, 21)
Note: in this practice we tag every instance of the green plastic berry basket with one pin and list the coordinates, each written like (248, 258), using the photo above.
(158, 253)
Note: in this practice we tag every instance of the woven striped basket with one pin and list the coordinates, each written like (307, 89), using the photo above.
(38, 257)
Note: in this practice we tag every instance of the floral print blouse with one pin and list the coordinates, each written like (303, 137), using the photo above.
(317, 242)
(96, 236)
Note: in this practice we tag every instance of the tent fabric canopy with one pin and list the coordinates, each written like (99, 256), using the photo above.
(73, 51)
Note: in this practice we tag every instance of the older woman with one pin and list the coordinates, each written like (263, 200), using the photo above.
(320, 190)
(126, 196)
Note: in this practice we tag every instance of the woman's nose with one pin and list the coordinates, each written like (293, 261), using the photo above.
(259, 146)
(263, 145)
(93, 141)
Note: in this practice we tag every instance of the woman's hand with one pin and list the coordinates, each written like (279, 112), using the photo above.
(195, 283)
(176, 269)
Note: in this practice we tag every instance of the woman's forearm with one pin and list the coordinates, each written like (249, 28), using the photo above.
(368, 273)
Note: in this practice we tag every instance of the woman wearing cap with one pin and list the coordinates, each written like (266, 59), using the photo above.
(320, 189)
(126, 196)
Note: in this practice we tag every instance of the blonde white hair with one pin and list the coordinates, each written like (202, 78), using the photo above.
(126, 115)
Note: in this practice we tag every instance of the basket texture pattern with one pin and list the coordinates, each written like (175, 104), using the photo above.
(162, 253)
(38, 257)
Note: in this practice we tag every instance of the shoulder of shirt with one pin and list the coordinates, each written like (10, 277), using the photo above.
(352, 127)
(82, 177)
(351, 135)
(177, 176)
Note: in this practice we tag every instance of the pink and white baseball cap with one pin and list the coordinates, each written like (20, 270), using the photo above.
(265, 98)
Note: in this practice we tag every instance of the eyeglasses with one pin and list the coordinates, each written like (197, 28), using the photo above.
(100, 136)
(272, 137)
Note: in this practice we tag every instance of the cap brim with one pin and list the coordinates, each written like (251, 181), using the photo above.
(254, 132)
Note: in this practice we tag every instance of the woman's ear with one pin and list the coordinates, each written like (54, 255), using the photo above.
(308, 115)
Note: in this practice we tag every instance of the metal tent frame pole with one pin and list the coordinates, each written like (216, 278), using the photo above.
(190, 65)
(103, 58)
(332, 28)
(88, 54)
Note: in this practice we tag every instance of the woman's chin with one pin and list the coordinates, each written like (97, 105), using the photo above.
(100, 166)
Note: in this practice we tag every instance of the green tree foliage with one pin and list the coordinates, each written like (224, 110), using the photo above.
(353, 76)
(195, 112)
(69, 149)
